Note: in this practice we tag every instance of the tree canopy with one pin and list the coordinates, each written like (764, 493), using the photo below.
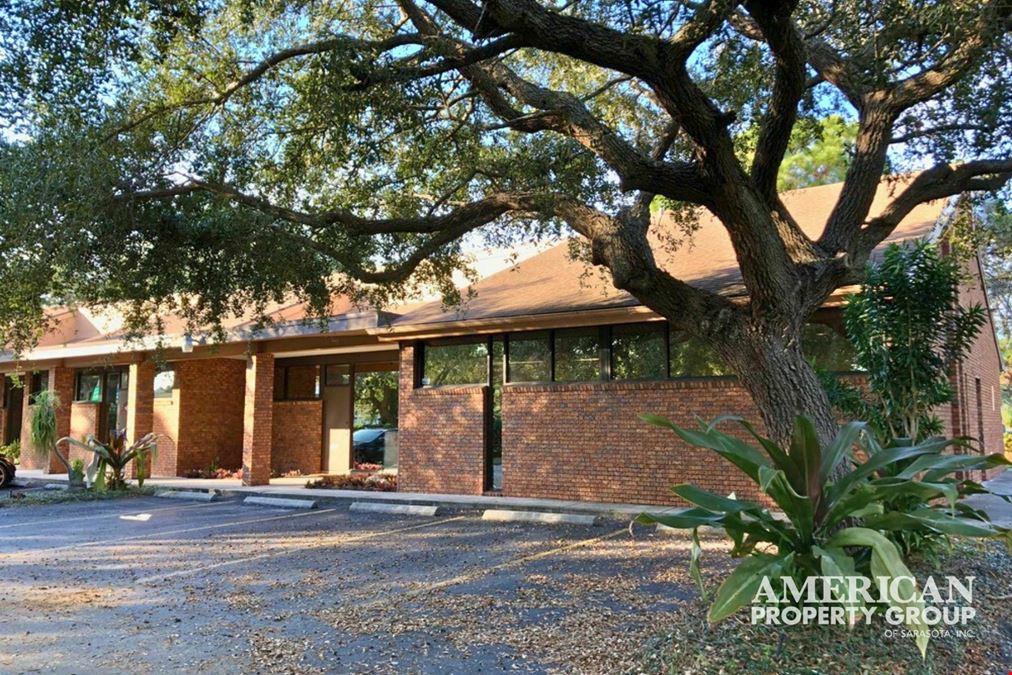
(209, 157)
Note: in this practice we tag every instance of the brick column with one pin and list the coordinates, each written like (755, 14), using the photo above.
(140, 406)
(258, 420)
(61, 381)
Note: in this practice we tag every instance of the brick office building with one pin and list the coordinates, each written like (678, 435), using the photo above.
(532, 387)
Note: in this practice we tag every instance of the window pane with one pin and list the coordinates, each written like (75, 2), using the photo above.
(165, 382)
(300, 382)
(638, 352)
(456, 363)
(577, 355)
(40, 382)
(89, 387)
(279, 383)
(826, 349)
(337, 374)
(530, 357)
(692, 358)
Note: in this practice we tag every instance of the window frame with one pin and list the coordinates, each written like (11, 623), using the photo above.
(422, 348)
(103, 374)
(507, 339)
(664, 331)
(282, 382)
(603, 353)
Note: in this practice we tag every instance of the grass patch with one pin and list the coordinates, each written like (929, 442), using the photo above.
(736, 646)
(35, 497)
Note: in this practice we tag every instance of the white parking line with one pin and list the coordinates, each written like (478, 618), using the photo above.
(60, 520)
(113, 542)
(331, 541)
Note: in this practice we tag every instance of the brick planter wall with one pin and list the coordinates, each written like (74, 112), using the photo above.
(441, 435)
(584, 441)
(297, 436)
(83, 423)
(165, 423)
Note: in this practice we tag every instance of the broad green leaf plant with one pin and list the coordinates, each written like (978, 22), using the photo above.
(853, 525)
(107, 470)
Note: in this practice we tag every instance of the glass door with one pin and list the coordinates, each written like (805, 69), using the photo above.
(114, 400)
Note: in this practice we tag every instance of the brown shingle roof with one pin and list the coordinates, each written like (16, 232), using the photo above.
(554, 282)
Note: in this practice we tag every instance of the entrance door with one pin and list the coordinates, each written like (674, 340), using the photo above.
(14, 400)
(114, 399)
(337, 418)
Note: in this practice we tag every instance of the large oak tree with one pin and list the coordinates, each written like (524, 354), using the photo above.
(208, 157)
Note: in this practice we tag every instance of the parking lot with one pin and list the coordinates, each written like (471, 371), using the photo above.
(150, 585)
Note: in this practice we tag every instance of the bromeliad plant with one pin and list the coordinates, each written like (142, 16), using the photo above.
(847, 526)
(107, 470)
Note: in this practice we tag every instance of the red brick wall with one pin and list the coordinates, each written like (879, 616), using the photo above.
(978, 418)
(441, 435)
(297, 436)
(83, 423)
(584, 441)
(210, 413)
(258, 417)
(165, 423)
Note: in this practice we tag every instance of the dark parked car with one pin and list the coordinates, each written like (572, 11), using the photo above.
(7, 471)
(368, 445)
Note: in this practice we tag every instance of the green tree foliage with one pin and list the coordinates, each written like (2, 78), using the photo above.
(210, 159)
(376, 399)
(819, 153)
(908, 330)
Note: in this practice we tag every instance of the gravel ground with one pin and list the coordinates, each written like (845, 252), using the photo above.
(146, 585)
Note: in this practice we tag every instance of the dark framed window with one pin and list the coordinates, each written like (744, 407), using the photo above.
(578, 355)
(447, 362)
(337, 375)
(298, 383)
(639, 351)
(165, 381)
(690, 357)
(529, 357)
(89, 386)
(39, 382)
(827, 349)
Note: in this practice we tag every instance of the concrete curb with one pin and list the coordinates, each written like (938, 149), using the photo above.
(55, 486)
(191, 495)
(280, 502)
(504, 515)
(399, 509)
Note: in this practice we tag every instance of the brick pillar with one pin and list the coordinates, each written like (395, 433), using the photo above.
(140, 406)
(258, 419)
(61, 381)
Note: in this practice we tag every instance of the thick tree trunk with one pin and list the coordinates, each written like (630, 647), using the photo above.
(781, 382)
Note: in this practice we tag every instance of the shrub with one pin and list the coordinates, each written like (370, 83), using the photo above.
(908, 329)
(844, 527)
(76, 475)
(12, 451)
(379, 482)
(108, 467)
(42, 426)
